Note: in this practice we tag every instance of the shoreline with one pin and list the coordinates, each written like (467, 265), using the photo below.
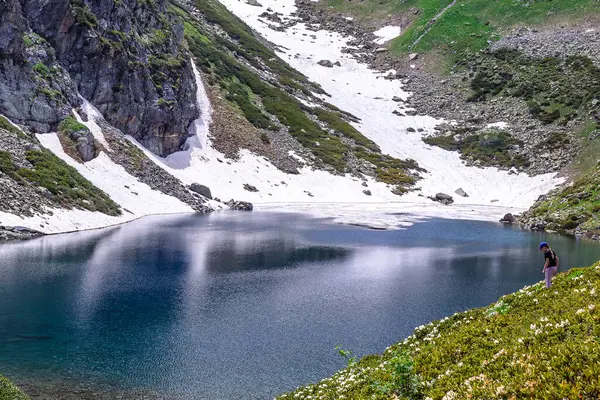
(373, 216)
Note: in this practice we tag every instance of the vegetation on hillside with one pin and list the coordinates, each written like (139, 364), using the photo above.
(8, 391)
(266, 91)
(491, 148)
(536, 343)
(66, 187)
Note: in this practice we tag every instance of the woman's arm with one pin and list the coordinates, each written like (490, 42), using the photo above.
(557, 261)
(546, 264)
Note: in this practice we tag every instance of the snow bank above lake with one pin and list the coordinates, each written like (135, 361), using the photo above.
(387, 33)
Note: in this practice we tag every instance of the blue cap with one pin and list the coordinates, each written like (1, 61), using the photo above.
(543, 244)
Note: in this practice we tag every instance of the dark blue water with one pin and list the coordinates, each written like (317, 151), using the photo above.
(241, 306)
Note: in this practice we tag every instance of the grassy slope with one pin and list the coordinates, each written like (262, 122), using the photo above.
(535, 343)
(469, 24)
(8, 391)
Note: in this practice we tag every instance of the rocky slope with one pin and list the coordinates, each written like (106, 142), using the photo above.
(521, 90)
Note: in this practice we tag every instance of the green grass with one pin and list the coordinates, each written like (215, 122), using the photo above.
(8, 391)
(492, 148)
(535, 343)
(468, 25)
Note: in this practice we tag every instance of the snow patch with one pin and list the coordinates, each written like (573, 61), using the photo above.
(387, 33)
(92, 115)
(499, 125)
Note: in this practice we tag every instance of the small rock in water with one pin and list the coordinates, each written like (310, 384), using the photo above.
(508, 219)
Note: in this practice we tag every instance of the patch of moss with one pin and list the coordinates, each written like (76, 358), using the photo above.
(335, 121)
(6, 165)
(42, 70)
(7, 126)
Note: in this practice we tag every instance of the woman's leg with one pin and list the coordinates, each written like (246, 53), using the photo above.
(550, 273)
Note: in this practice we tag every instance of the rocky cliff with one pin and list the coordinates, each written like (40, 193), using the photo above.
(126, 57)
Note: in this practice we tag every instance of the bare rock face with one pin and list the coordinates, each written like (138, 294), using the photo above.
(34, 89)
(127, 58)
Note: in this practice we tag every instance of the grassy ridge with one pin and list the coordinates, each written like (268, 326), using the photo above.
(535, 343)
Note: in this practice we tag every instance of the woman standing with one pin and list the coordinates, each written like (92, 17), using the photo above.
(551, 264)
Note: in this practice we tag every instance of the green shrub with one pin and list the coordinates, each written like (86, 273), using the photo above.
(83, 15)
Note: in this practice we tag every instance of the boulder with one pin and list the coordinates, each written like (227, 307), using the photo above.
(508, 219)
(443, 198)
(85, 144)
(367, 192)
(254, 3)
(201, 190)
(239, 205)
(396, 99)
(250, 188)
(461, 192)
(325, 63)
(413, 56)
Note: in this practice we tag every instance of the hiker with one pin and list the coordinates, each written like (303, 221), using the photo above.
(551, 264)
